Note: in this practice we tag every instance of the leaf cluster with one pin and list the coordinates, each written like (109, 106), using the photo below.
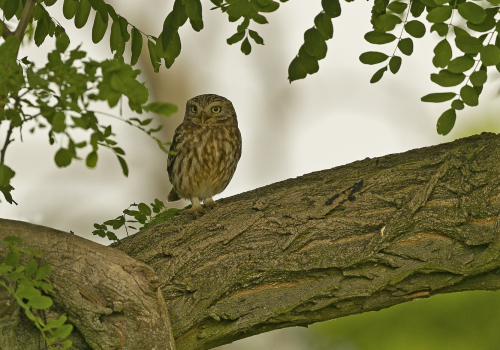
(26, 283)
(143, 214)
(314, 47)
(471, 27)
(58, 98)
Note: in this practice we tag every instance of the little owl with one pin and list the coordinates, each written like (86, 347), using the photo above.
(204, 152)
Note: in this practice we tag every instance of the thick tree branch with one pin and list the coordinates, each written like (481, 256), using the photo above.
(360, 237)
(112, 300)
(356, 238)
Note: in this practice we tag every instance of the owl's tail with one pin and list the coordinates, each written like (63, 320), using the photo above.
(173, 196)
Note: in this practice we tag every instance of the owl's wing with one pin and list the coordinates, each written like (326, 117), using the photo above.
(174, 147)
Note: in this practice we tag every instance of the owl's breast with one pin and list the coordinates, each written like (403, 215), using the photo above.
(206, 160)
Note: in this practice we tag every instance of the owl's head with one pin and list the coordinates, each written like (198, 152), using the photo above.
(210, 109)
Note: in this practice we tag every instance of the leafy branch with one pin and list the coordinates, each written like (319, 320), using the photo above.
(146, 215)
(467, 67)
(26, 284)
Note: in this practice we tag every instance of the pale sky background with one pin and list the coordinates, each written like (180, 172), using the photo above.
(329, 119)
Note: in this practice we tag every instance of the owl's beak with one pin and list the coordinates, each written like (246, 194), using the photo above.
(203, 116)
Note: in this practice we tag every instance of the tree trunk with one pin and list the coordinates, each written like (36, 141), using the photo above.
(360, 237)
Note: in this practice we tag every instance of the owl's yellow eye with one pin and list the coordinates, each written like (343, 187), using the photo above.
(216, 109)
(194, 109)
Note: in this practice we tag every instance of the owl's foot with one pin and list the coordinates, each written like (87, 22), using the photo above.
(209, 203)
(196, 208)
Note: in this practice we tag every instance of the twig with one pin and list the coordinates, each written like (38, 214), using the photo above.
(8, 140)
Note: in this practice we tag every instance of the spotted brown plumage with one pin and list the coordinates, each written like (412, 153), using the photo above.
(205, 151)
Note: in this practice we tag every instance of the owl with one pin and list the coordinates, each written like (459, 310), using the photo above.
(204, 152)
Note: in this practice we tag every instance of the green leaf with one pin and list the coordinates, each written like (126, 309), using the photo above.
(438, 97)
(377, 37)
(415, 28)
(259, 19)
(442, 54)
(11, 259)
(387, 22)
(155, 59)
(235, 38)
(397, 7)
(41, 32)
(40, 302)
(373, 57)
(441, 2)
(63, 332)
(163, 108)
(461, 64)
(446, 78)
(10, 8)
(91, 159)
(193, 10)
(457, 104)
(10, 239)
(63, 157)
(469, 95)
(31, 267)
(446, 122)
(69, 8)
(308, 62)
(490, 55)
(55, 323)
(296, 70)
(331, 7)
(417, 7)
(82, 13)
(314, 44)
(42, 272)
(478, 78)
(98, 29)
(406, 46)
(59, 122)
(123, 165)
(395, 64)
(62, 42)
(256, 37)
(144, 209)
(246, 48)
(6, 174)
(439, 14)
(116, 41)
(136, 46)
(468, 44)
(472, 12)
(440, 28)
(323, 23)
(430, 3)
(378, 75)
(27, 291)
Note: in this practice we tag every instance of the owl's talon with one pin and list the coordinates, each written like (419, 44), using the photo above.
(209, 203)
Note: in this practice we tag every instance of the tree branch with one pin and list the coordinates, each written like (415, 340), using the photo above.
(360, 237)
(25, 19)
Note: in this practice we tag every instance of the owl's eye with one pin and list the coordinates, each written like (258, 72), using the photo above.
(216, 109)
(194, 109)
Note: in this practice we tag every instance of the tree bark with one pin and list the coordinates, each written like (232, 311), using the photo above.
(360, 237)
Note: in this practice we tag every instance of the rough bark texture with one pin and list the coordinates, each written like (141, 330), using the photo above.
(356, 238)
(112, 300)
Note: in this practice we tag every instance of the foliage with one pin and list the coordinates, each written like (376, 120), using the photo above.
(469, 26)
(145, 215)
(26, 284)
(59, 96)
